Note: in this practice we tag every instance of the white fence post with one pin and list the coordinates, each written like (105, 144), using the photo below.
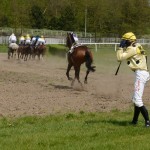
(95, 47)
(115, 47)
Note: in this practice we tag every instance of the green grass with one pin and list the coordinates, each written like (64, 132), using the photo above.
(3, 48)
(83, 131)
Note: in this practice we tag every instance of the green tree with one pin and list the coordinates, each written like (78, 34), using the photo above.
(67, 20)
(4, 21)
(54, 24)
(37, 17)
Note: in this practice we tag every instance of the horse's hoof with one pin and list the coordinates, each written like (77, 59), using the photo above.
(72, 83)
(70, 79)
(81, 84)
(85, 82)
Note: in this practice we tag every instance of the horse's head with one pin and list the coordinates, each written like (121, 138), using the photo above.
(69, 40)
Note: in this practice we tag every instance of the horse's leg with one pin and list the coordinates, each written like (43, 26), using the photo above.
(9, 54)
(26, 56)
(15, 53)
(19, 55)
(22, 56)
(68, 69)
(12, 54)
(85, 80)
(77, 72)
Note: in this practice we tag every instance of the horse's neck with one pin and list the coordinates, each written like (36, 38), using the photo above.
(70, 42)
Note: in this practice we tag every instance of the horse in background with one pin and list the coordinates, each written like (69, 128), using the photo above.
(12, 50)
(40, 51)
(81, 54)
(25, 51)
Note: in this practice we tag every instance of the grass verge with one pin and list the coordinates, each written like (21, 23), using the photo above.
(83, 131)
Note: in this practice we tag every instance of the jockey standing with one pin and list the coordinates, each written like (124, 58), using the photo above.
(27, 39)
(12, 38)
(137, 61)
(21, 40)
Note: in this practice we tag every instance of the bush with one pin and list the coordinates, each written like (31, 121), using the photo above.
(57, 50)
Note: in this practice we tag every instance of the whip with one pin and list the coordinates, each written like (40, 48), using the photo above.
(118, 69)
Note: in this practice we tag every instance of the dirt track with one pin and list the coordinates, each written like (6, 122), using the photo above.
(41, 88)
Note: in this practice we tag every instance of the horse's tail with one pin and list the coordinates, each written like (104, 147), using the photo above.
(89, 61)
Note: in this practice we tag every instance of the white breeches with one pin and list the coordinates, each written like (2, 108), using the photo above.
(141, 78)
(27, 42)
(76, 39)
(12, 41)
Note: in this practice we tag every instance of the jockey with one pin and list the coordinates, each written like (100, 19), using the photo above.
(21, 40)
(33, 41)
(75, 38)
(134, 54)
(27, 39)
(76, 42)
(40, 41)
(37, 37)
(12, 38)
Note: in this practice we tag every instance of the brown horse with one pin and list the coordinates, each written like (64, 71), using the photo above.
(81, 54)
(24, 51)
(40, 51)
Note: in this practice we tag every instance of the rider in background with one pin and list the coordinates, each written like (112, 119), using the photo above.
(37, 37)
(27, 39)
(40, 41)
(33, 41)
(12, 38)
(21, 40)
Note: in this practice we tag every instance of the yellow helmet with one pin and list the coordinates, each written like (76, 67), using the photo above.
(42, 36)
(27, 35)
(129, 36)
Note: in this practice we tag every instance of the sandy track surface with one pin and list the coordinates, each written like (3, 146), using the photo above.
(41, 88)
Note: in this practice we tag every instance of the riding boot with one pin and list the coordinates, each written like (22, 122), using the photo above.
(136, 115)
(145, 115)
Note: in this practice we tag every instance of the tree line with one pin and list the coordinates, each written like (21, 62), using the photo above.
(102, 17)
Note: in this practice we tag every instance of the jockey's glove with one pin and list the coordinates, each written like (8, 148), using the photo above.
(122, 43)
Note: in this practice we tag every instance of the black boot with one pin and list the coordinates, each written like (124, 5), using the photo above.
(136, 115)
(145, 115)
